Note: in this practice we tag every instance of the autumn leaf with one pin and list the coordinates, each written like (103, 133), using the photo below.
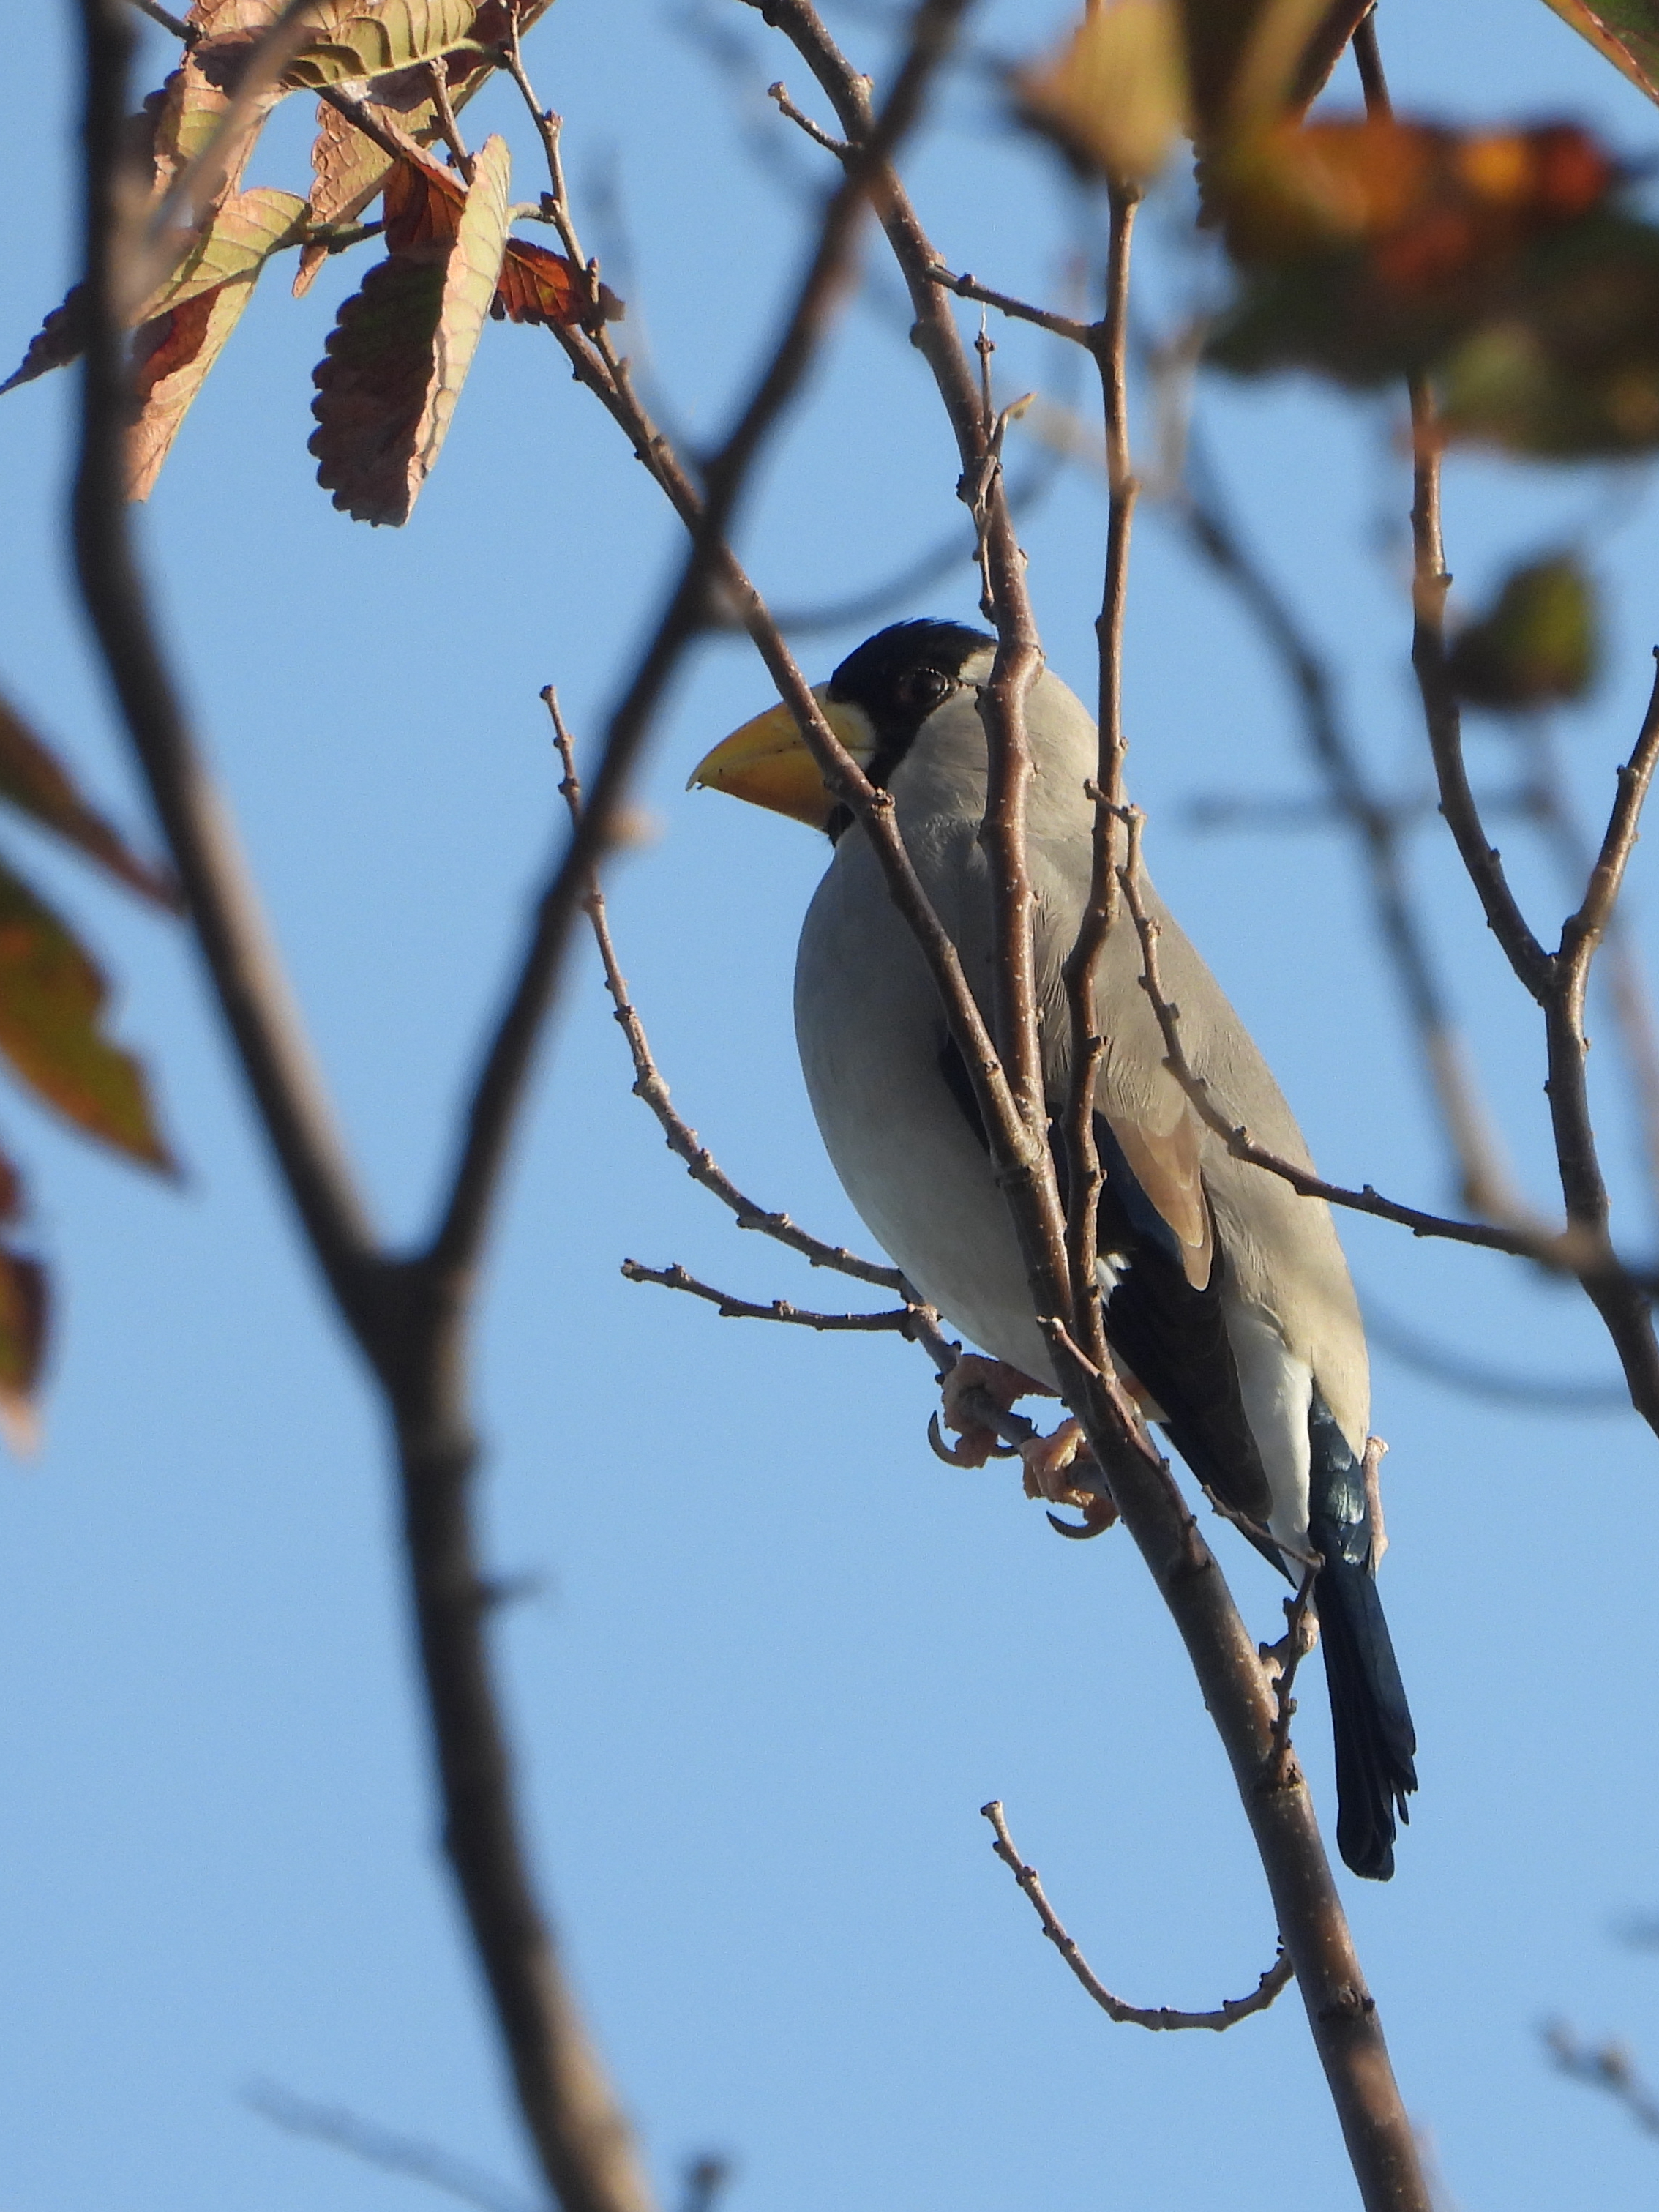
(1429, 203)
(1538, 644)
(172, 355)
(35, 782)
(539, 286)
(240, 238)
(399, 353)
(369, 39)
(349, 169)
(60, 339)
(1115, 98)
(1625, 31)
(51, 998)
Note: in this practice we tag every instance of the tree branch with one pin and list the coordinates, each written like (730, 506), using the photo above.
(408, 1317)
(1160, 2017)
(898, 1321)
(648, 1085)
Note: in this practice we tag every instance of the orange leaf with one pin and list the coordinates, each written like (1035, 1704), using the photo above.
(539, 286)
(25, 1314)
(60, 340)
(1430, 205)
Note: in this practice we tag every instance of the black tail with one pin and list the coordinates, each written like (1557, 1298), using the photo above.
(1370, 1717)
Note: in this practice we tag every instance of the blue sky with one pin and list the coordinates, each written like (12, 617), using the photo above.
(778, 1657)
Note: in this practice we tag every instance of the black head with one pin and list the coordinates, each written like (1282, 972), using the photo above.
(899, 676)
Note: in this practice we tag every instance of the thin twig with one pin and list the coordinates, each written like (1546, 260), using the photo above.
(895, 1321)
(501, 1082)
(1483, 1181)
(448, 129)
(1108, 342)
(969, 288)
(1160, 2017)
(649, 1086)
(1559, 1250)
(1605, 2066)
(185, 32)
(409, 1316)
(344, 2130)
(779, 94)
(1295, 1647)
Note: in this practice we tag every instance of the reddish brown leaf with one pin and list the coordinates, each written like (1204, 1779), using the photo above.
(51, 999)
(60, 340)
(172, 356)
(33, 779)
(539, 286)
(401, 350)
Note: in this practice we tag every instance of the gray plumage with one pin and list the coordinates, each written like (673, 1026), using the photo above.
(874, 1047)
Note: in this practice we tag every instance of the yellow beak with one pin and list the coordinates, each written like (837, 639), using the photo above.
(767, 763)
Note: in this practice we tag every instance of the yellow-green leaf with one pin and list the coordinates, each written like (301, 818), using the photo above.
(372, 40)
(1116, 96)
(52, 1001)
(1625, 31)
(241, 237)
(35, 782)
(399, 353)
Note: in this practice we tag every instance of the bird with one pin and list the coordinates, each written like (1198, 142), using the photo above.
(1227, 1302)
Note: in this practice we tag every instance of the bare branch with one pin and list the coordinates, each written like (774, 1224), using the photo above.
(1108, 342)
(778, 93)
(184, 31)
(232, 930)
(409, 1316)
(1484, 1183)
(1431, 583)
(648, 1085)
(969, 288)
(1605, 2066)
(345, 2131)
(1556, 1250)
(708, 563)
(898, 1321)
(1478, 1378)
(1161, 2017)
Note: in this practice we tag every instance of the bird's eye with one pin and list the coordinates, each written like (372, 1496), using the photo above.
(924, 688)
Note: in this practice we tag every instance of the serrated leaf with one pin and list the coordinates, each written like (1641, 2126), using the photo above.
(51, 999)
(365, 40)
(538, 286)
(242, 236)
(401, 350)
(60, 339)
(349, 169)
(1625, 31)
(35, 782)
(172, 355)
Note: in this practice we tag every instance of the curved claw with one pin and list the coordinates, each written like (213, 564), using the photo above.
(950, 1454)
(1080, 1532)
